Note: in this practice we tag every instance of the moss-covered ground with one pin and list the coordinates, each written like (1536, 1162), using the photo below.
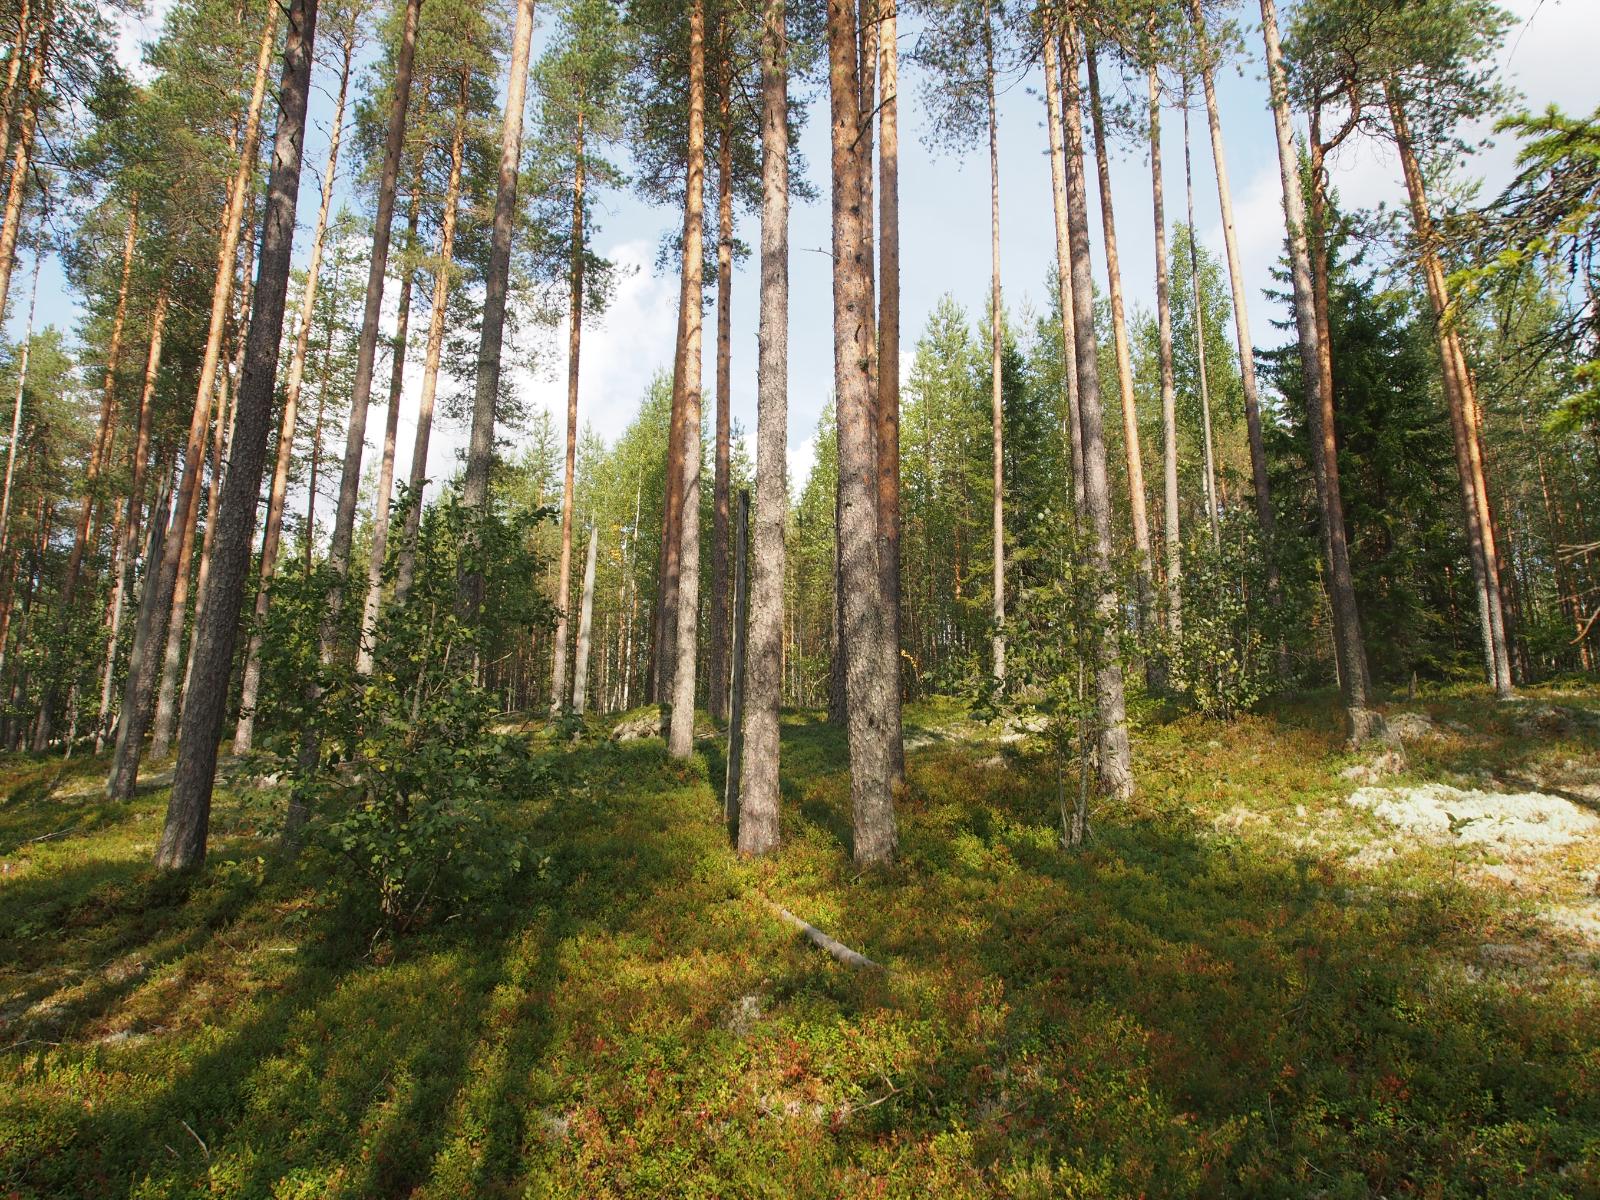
(1214, 997)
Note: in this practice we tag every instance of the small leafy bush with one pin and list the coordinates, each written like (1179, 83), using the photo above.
(428, 829)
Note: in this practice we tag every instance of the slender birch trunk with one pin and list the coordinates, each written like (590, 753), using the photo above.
(680, 735)
(244, 730)
(1115, 767)
(869, 668)
(763, 686)
(558, 684)
(1208, 449)
(1361, 721)
(149, 652)
(183, 836)
(406, 566)
(580, 665)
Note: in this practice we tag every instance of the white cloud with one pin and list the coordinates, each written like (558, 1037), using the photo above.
(802, 456)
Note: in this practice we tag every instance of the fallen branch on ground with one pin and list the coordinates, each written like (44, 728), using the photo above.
(851, 958)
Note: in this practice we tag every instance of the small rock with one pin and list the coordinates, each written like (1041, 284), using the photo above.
(743, 1013)
(645, 725)
(1413, 727)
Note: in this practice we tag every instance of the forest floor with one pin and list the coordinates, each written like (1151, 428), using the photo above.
(1260, 978)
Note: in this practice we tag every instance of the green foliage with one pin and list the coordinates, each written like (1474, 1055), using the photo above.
(425, 831)
(1054, 634)
(1220, 664)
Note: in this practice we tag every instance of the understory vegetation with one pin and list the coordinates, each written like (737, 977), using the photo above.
(1219, 994)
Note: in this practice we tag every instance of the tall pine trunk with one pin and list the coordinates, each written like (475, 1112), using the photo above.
(868, 664)
(27, 124)
(680, 734)
(1461, 399)
(1241, 308)
(763, 680)
(1361, 722)
(558, 684)
(149, 651)
(497, 277)
(888, 414)
(1172, 535)
(378, 554)
(108, 410)
(122, 562)
(717, 640)
(405, 567)
(1119, 335)
(1116, 771)
(272, 535)
(183, 837)
(344, 516)
(997, 413)
(1054, 118)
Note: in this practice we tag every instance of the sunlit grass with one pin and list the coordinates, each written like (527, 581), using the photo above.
(1192, 1005)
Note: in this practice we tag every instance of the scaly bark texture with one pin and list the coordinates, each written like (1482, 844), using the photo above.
(889, 359)
(1115, 767)
(272, 536)
(680, 734)
(868, 667)
(497, 275)
(763, 688)
(183, 837)
(1361, 722)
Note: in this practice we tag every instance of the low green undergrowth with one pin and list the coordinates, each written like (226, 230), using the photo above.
(1170, 1011)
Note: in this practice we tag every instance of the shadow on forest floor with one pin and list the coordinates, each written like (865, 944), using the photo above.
(1195, 1004)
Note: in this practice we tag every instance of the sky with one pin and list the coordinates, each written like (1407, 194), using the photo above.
(1547, 57)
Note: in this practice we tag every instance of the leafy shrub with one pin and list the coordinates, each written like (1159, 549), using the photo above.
(427, 830)
(1220, 661)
